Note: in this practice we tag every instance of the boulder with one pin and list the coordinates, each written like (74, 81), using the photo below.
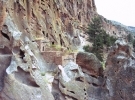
(89, 64)
(76, 84)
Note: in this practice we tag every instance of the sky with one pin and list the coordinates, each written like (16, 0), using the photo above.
(122, 11)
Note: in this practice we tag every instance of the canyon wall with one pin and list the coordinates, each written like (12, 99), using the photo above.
(115, 29)
(38, 39)
(56, 21)
(34, 34)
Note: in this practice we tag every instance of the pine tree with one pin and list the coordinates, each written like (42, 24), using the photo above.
(94, 28)
(98, 37)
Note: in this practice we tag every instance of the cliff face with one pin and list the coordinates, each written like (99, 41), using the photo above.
(115, 29)
(37, 57)
(55, 20)
(120, 71)
(34, 34)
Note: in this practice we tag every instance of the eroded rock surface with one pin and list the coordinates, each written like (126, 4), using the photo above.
(30, 28)
(89, 63)
(75, 84)
(120, 72)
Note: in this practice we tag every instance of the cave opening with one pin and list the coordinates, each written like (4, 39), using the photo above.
(79, 79)
(5, 35)
(43, 49)
(43, 32)
(49, 6)
(22, 55)
(47, 35)
(79, 16)
(61, 42)
(53, 43)
(60, 35)
(94, 84)
(72, 92)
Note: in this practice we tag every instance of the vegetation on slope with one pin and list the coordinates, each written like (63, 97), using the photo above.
(99, 38)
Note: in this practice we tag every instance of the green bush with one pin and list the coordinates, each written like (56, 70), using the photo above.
(103, 65)
(42, 74)
(86, 48)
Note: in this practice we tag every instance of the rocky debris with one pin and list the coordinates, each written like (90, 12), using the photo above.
(89, 64)
(120, 71)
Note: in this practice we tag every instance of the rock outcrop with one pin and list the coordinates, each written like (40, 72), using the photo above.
(57, 21)
(115, 29)
(118, 77)
(32, 32)
(78, 85)
(28, 28)
(120, 72)
(89, 64)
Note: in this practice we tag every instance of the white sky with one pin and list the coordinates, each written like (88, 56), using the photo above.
(122, 11)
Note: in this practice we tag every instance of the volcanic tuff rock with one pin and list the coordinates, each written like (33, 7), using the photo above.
(120, 71)
(116, 83)
(89, 64)
(55, 20)
(117, 29)
(31, 28)
(26, 26)
(78, 85)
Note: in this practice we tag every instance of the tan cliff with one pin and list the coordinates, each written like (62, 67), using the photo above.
(113, 29)
(38, 39)
(31, 33)
(55, 20)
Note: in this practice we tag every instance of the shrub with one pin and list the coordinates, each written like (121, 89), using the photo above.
(86, 48)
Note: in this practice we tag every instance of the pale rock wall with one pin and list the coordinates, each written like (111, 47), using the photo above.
(114, 30)
(24, 73)
(51, 19)
(22, 23)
